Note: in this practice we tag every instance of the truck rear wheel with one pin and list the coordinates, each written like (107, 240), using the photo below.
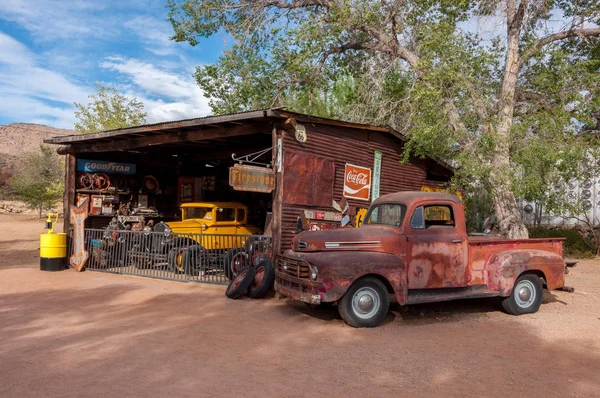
(365, 304)
(526, 296)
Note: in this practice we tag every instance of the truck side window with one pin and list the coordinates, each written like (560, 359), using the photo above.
(439, 217)
(432, 217)
(418, 219)
(226, 214)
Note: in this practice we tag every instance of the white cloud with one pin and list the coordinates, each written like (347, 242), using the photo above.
(30, 110)
(71, 39)
(154, 33)
(56, 19)
(31, 91)
(154, 85)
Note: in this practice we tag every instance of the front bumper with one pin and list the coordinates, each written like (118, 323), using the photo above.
(297, 288)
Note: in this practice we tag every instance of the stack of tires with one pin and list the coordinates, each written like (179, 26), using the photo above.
(255, 281)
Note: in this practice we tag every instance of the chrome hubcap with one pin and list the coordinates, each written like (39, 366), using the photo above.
(525, 294)
(365, 303)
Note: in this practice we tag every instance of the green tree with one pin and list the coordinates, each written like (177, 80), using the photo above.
(108, 110)
(38, 180)
(498, 105)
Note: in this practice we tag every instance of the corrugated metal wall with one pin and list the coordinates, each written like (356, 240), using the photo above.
(344, 145)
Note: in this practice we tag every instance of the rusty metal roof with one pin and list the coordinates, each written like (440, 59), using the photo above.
(238, 117)
(157, 127)
(274, 113)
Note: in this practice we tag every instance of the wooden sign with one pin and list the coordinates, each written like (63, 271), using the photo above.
(251, 178)
(357, 182)
(78, 216)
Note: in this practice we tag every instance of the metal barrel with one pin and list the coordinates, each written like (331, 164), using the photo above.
(53, 251)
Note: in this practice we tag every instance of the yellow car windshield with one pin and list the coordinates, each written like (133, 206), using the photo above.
(197, 212)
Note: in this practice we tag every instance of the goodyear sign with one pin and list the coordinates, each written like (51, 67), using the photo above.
(101, 166)
(251, 178)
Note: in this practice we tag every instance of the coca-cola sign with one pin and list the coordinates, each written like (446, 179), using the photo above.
(357, 182)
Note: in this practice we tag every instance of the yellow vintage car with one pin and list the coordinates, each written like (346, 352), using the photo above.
(211, 235)
(219, 222)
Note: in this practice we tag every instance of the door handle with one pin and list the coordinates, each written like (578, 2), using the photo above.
(456, 240)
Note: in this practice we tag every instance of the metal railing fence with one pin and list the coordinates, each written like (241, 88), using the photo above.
(208, 258)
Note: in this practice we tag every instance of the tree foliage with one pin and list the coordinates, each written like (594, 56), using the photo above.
(38, 180)
(506, 105)
(108, 110)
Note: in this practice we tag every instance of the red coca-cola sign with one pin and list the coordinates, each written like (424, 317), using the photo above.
(357, 182)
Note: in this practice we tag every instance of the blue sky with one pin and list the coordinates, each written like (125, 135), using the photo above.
(52, 52)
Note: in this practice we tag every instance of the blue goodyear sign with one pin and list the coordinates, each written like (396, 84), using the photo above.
(100, 166)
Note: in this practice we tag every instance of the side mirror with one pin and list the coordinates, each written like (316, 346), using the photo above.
(345, 220)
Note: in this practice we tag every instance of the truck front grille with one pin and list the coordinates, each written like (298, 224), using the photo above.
(297, 268)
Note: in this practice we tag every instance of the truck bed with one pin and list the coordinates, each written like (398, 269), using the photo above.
(483, 247)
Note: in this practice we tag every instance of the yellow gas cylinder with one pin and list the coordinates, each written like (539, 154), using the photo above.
(53, 247)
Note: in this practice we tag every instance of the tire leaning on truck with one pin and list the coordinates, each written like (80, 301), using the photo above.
(365, 304)
(526, 296)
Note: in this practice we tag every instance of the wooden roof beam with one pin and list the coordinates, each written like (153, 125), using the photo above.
(170, 138)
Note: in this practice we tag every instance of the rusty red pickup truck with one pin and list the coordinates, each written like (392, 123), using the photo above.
(414, 246)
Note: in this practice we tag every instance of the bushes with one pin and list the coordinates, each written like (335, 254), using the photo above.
(575, 246)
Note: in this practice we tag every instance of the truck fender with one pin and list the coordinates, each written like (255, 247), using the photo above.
(506, 266)
(394, 280)
(341, 270)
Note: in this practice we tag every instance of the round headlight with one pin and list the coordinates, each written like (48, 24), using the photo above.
(314, 273)
(163, 228)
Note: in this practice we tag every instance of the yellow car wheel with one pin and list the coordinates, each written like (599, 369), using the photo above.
(175, 260)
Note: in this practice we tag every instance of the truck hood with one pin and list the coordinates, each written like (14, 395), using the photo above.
(372, 238)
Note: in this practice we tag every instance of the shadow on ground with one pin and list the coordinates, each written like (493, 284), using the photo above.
(18, 253)
(125, 340)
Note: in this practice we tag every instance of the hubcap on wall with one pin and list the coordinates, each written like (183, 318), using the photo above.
(525, 294)
(365, 302)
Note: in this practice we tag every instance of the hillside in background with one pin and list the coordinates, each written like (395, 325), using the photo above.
(20, 138)
(16, 140)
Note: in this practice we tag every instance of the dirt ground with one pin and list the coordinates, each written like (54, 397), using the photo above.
(69, 334)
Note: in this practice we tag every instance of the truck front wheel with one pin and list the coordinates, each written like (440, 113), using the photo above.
(526, 296)
(365, 304)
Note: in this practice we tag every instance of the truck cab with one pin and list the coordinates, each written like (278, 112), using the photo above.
(414, 247)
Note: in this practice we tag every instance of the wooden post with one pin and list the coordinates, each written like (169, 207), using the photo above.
(278, 191)
(69, 194)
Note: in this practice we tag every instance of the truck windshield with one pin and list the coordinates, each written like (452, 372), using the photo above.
(197, 212)
(386, 214)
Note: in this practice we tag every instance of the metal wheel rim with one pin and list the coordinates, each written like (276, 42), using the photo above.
(365, 303)
(238, 279)
(239, 262)
(525, 294)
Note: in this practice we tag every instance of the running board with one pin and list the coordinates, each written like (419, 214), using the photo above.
(419, 296)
